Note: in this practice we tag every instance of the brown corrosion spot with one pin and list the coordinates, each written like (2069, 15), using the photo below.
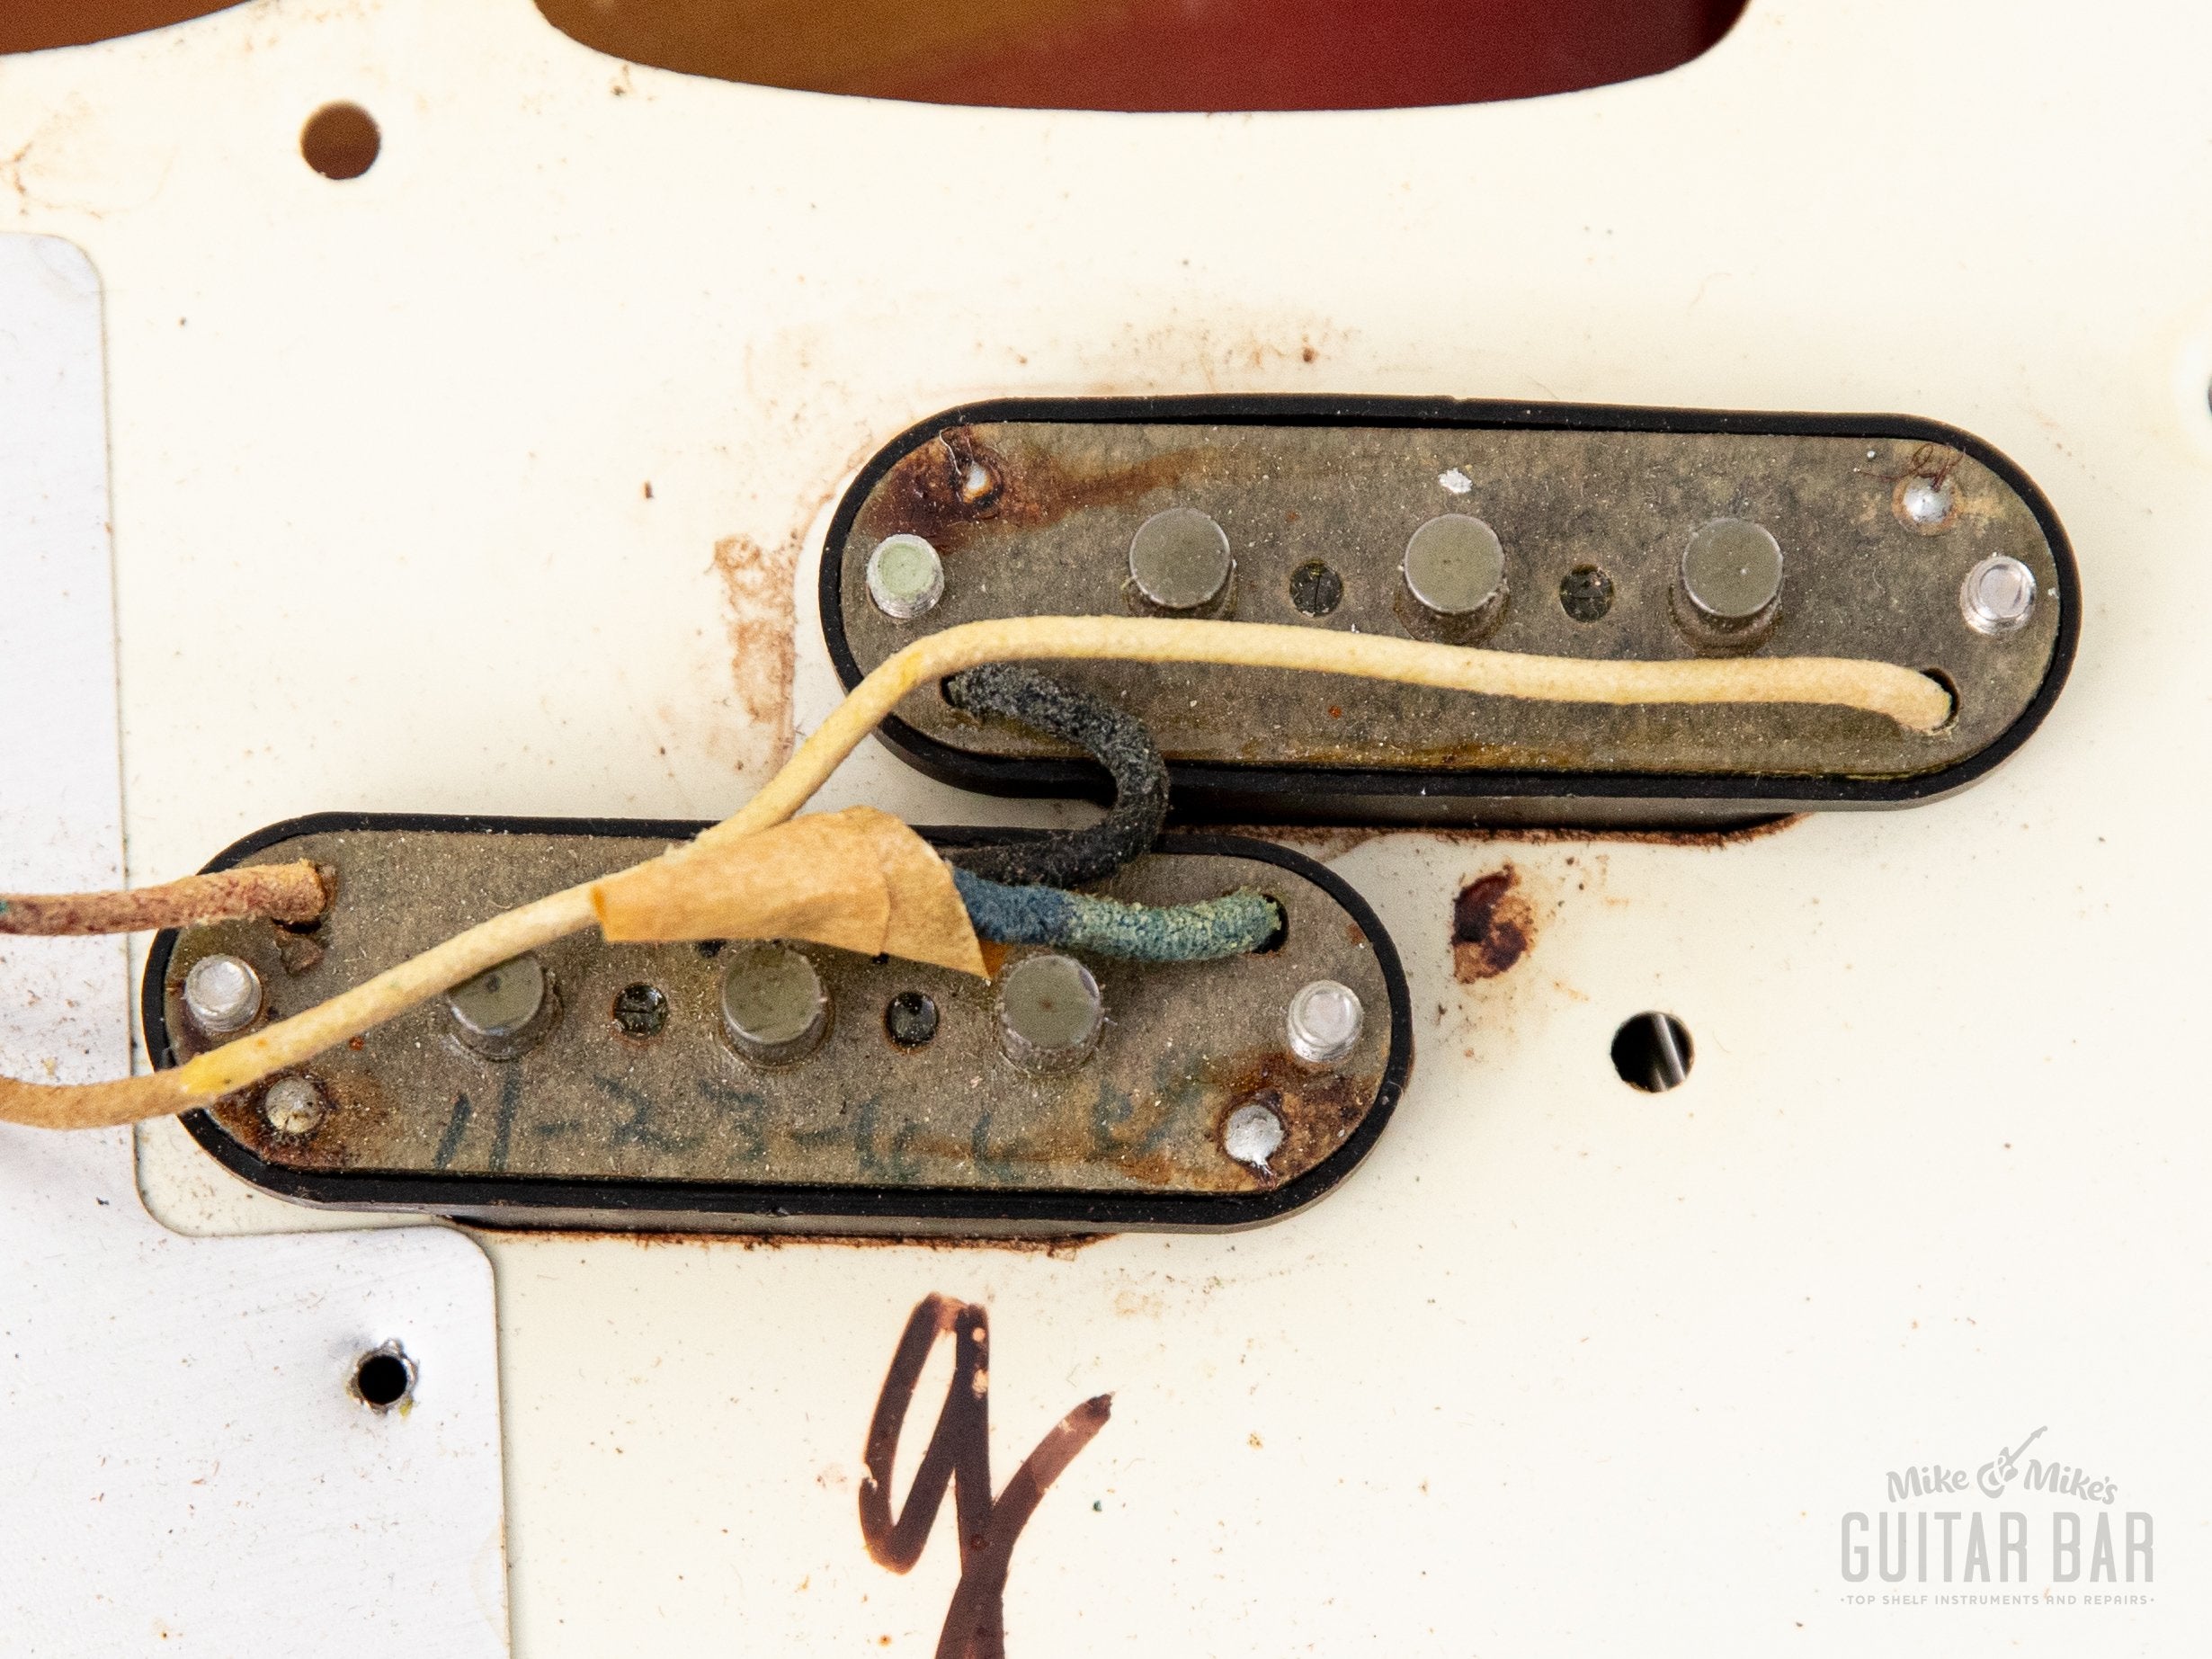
(1328, 842)
(1493, 926)
(299, 953)
(756, 589)
(360, 1113)
(947, 486)
(1319, 1109)
(1059, 1246)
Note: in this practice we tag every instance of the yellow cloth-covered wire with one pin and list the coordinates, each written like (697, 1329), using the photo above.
(1911, 700)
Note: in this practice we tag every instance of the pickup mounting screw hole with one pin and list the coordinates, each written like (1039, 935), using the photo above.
(910, 1020)
(1315, 589)
(1587, 593)
(384, 1377)
(1653, 1052)
(341, 141)
(640, 1010)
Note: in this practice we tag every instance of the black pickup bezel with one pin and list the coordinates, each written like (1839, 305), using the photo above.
(1222, 791)
(537, 1202)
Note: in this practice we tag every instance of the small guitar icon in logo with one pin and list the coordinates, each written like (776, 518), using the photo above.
(2000, 1471)
(959, 1455)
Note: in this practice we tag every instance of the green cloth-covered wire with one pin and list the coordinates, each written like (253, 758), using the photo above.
(1205, 932)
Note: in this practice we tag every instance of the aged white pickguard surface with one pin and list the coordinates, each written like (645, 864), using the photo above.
(184, 1462)
(1563, 1364)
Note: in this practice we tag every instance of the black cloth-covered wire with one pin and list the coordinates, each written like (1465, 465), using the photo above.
(1117, 741)
(1017, 895)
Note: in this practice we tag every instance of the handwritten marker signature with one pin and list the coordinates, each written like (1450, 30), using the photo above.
(959, 1455)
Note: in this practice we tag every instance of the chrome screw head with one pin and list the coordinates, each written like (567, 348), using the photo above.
(1323, 1022)
(222, 994)
(1998, 595)
(905, 578)
(1927, 504)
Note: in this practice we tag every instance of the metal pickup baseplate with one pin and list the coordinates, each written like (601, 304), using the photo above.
(597, 1125)
(1031, 508)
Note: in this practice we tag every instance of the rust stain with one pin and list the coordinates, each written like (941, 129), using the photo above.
(1319, 1110)
(756, 591)
(944, 489)
(358, 1103)
(11, 169)
(299, 953)
(1328, 842)
(1059, 1246)
(1171, 355)
(1493, 925)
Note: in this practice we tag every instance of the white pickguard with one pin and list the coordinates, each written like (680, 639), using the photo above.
(1563, 1366)
(183, 1460)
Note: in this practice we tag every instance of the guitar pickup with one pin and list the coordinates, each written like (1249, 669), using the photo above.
(1553, 529)
(751, 1087)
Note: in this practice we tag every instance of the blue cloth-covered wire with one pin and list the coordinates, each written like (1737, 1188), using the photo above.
(1205, 932)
